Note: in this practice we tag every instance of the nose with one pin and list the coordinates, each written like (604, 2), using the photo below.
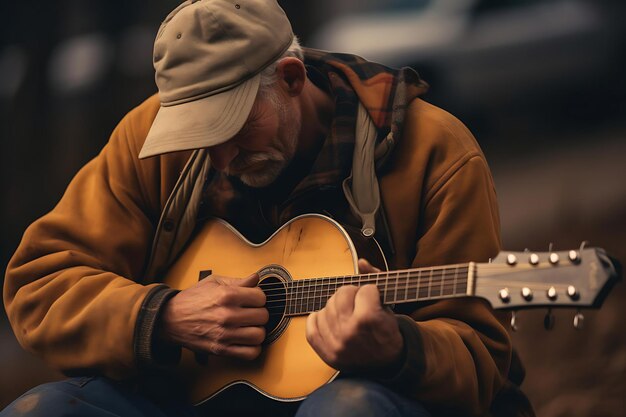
(223, 154)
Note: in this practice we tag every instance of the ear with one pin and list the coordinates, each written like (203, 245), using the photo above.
(291, 75)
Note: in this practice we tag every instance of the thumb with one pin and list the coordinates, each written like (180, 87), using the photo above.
(250, 281)
(365, 267)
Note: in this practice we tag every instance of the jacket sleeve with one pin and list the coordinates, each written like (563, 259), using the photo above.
(457, 353)
(72, 289)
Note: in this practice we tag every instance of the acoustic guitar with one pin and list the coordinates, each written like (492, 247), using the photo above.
(303, 263)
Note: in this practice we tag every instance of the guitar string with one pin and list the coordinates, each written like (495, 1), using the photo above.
(459, 286)
(483, 274)
(316, 306)
(348, 280)
(448, 268)
(434, 285)
(401, 281)
(396, 291)
(482, 269)
(359, 278)
(320, 303)
(391, 300)
(289, 309)
(316, 282)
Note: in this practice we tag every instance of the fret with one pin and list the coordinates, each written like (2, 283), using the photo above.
(313, 285)
(444, 274)
(395, 288)
(319, 300)
(309, 296)
(288, 299)
(413, 289)
(316, 300)
(386, 290)
(313, 300)
(325, 291)
(422, 288)
(430, 283)
(332, 287)
(435, 285)
(317, 294)
(456, 277)
(406, 285)
(391, 288)
(291, 290)
(299, 297)
(303, 296)
(296, 298)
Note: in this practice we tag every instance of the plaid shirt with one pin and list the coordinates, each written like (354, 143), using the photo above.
(384, 92)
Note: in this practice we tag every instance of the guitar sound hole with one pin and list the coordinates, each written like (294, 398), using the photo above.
(274, 289)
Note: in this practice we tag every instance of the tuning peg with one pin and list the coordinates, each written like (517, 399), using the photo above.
(514, 326)
(550, 247)
(579, 320)
(548, 320)
(575, 257)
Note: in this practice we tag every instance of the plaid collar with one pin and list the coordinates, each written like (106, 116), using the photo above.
(385, 94)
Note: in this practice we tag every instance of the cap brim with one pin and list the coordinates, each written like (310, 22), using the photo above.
(201, 123)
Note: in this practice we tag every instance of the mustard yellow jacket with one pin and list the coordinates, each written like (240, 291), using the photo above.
(76, 289)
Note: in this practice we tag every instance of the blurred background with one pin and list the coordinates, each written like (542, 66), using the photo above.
(539, 82)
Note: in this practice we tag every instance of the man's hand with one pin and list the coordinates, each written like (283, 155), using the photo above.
(354, 331)
(218, 315)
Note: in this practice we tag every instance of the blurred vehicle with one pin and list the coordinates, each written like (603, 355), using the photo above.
(485, 56)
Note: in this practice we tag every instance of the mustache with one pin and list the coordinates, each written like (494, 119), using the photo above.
(245, 161)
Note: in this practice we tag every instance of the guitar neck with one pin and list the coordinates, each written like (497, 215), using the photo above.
(403, 286)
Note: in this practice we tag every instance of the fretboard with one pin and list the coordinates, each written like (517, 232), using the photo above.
(305, 296)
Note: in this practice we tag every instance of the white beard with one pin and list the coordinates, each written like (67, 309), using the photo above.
(260, 169)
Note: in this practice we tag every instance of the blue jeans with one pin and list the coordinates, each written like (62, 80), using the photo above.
(102, 397)
(353, 397)
(91, 397)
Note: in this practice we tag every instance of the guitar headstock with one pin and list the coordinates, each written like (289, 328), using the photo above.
(573, 279)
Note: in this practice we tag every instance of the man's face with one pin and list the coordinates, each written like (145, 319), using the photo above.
(264, 146)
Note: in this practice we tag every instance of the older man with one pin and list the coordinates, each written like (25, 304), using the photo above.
(251, 128)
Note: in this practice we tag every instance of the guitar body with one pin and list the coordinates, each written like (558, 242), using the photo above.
(309, 258)
(288, 368)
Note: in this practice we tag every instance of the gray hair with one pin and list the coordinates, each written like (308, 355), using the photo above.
(268, 75)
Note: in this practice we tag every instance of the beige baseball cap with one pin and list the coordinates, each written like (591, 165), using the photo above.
(208, 56)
